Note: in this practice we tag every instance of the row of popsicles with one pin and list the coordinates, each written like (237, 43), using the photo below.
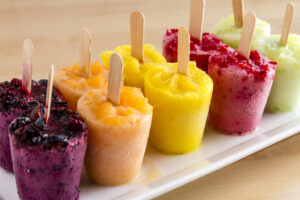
(119, 122)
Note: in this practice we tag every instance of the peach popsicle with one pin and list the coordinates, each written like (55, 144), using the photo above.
(75, 80)
(137, 58)
(119, 124)
(181, 100)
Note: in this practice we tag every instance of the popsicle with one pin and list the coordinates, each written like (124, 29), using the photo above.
(201, 45)
(242, 82)
(119, 121)
(137, 57)
(75, 80)
(229, 29)
(284, 49)
(180, 94)
(16, 97)
(48, 151)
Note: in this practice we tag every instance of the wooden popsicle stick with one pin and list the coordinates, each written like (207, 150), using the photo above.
(183, 56)
(115, 78)
(85, 51)
(27, 65)
(238, 12)
(137, 29)
(196, 18)
(49, 94)
(247, 34)
(286, 27)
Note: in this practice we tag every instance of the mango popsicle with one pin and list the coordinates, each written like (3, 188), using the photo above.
(285, 92)
(181, 103)
(75, 80)
(118, 134)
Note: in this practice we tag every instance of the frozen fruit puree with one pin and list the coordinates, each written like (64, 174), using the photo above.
(134, 70)
(181, 104)
(14, 100)
(241, 89)
(118, 134)
(231, 34)
(48, 158)
(73, 82)
(199, 50)
(285, 92)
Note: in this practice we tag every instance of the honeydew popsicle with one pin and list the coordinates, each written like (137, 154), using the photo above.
(16, 97)
(229, 29)
(75, 80)
(180, 94)
(242, 82)
(137, 58)
(48, 151)
(119, 121)
(285, 50)
(201, 45)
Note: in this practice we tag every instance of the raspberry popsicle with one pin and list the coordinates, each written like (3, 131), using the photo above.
(229, 29)
(119, 122)
(241, 85)
(137, 58)
(284, 49)
(15, 98)
(48, 153)
(201, 46)
(75, 80)
(180, 94)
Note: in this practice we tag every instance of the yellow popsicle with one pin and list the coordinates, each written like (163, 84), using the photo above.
(118, 134)
(134, 70)
(73, 82)
(181, 106)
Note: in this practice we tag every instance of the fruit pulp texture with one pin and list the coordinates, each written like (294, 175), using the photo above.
(117, 135)
(231, 35)
(51, 174)
(285, 92)
(5, 120)
(15, 101)
(134, 69)
(241, 89)
(181, 106)
(199, 50)
(48, 158)
(73, 81)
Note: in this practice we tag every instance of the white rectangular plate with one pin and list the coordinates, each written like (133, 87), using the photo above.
(162, 173)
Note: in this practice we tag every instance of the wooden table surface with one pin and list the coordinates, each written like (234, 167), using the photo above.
(54, 28)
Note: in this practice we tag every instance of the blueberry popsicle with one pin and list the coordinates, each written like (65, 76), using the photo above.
(285, 92)
(118, 131)
(75, 80)
(181, 101)
(241, 86)
(48, 157)
(229, 29)
(137, 57)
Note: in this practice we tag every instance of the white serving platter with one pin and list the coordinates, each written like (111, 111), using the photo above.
(162, 173)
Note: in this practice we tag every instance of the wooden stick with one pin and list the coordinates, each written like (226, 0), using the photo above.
(196, 18)
(85, 51)
(137, 29)
(247, 34)
(49, 93)
(27, 65)
(286, 27)
(115, 78)
(183, 56)
(238, 12)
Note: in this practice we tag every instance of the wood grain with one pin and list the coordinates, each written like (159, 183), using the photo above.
(53, 26)
(183, 51)
(287, 22)
(247, 34)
